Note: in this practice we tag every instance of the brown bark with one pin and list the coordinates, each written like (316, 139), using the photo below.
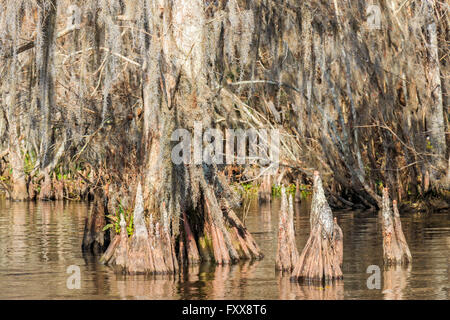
(221, 255)
(246, 240)
(298, 195)
(435, 113)
(45, 98)
(18, 183)
(287, 253)
(209, 232)
(321, 257)
(223, 243)
(193, 256)
(160, 266)
(58, 188)
(95, 239)
(31, 190)
(147, 251)
(19, 190)
(46, 192)
(120, 255)
(139, 252)
(265, 189)
(169, 254)
(106, 257)
(395, 247)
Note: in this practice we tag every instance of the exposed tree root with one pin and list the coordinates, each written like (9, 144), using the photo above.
(19, 191)
(139, 260)
(287, 253)
(153, 250)
(322, 256)
(46, 192)
(192, 254)
(395, 247)
(245, 245)
(58, 186)
(265, 189)
(95, 239)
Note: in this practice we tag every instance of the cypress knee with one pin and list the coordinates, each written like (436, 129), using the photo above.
(287, 253)
(322, 255)
(395, 248)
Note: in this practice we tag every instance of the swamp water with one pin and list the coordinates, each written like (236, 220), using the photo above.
(39, 241)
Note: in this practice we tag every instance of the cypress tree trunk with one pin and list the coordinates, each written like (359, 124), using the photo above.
(12, 109)
(44, 90)
(183, 212)
(19, 190)
(435, 113)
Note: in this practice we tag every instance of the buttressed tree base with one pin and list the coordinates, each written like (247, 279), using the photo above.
(322, 256)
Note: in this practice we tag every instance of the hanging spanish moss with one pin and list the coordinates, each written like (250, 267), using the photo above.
(92, 91)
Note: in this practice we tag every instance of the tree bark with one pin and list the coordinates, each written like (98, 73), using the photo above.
(94, 238)
(265, 189)
(45, 82)
(322, 255)
(19, 190)
(287, 253)
(395, 248)
(435, 113)
(187, 202)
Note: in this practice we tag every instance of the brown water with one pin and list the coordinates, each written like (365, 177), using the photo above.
(39, 241)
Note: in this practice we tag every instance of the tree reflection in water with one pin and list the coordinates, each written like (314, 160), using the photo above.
(395, 280)
(290, 290)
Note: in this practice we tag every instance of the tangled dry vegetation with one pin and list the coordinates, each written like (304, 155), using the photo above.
(92, 90)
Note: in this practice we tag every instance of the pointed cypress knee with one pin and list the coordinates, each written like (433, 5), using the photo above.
(395, 247)
(287, 253)
(322, 255)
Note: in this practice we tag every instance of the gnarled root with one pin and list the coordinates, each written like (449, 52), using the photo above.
(220, 237)
(224, 239)
(46, 192)
(18, 190)
(192, 256)
(58, 186)
(287, 253)
(95, 239)
(243, 241)
(148, 251)
(395, 247)
(322, 255)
